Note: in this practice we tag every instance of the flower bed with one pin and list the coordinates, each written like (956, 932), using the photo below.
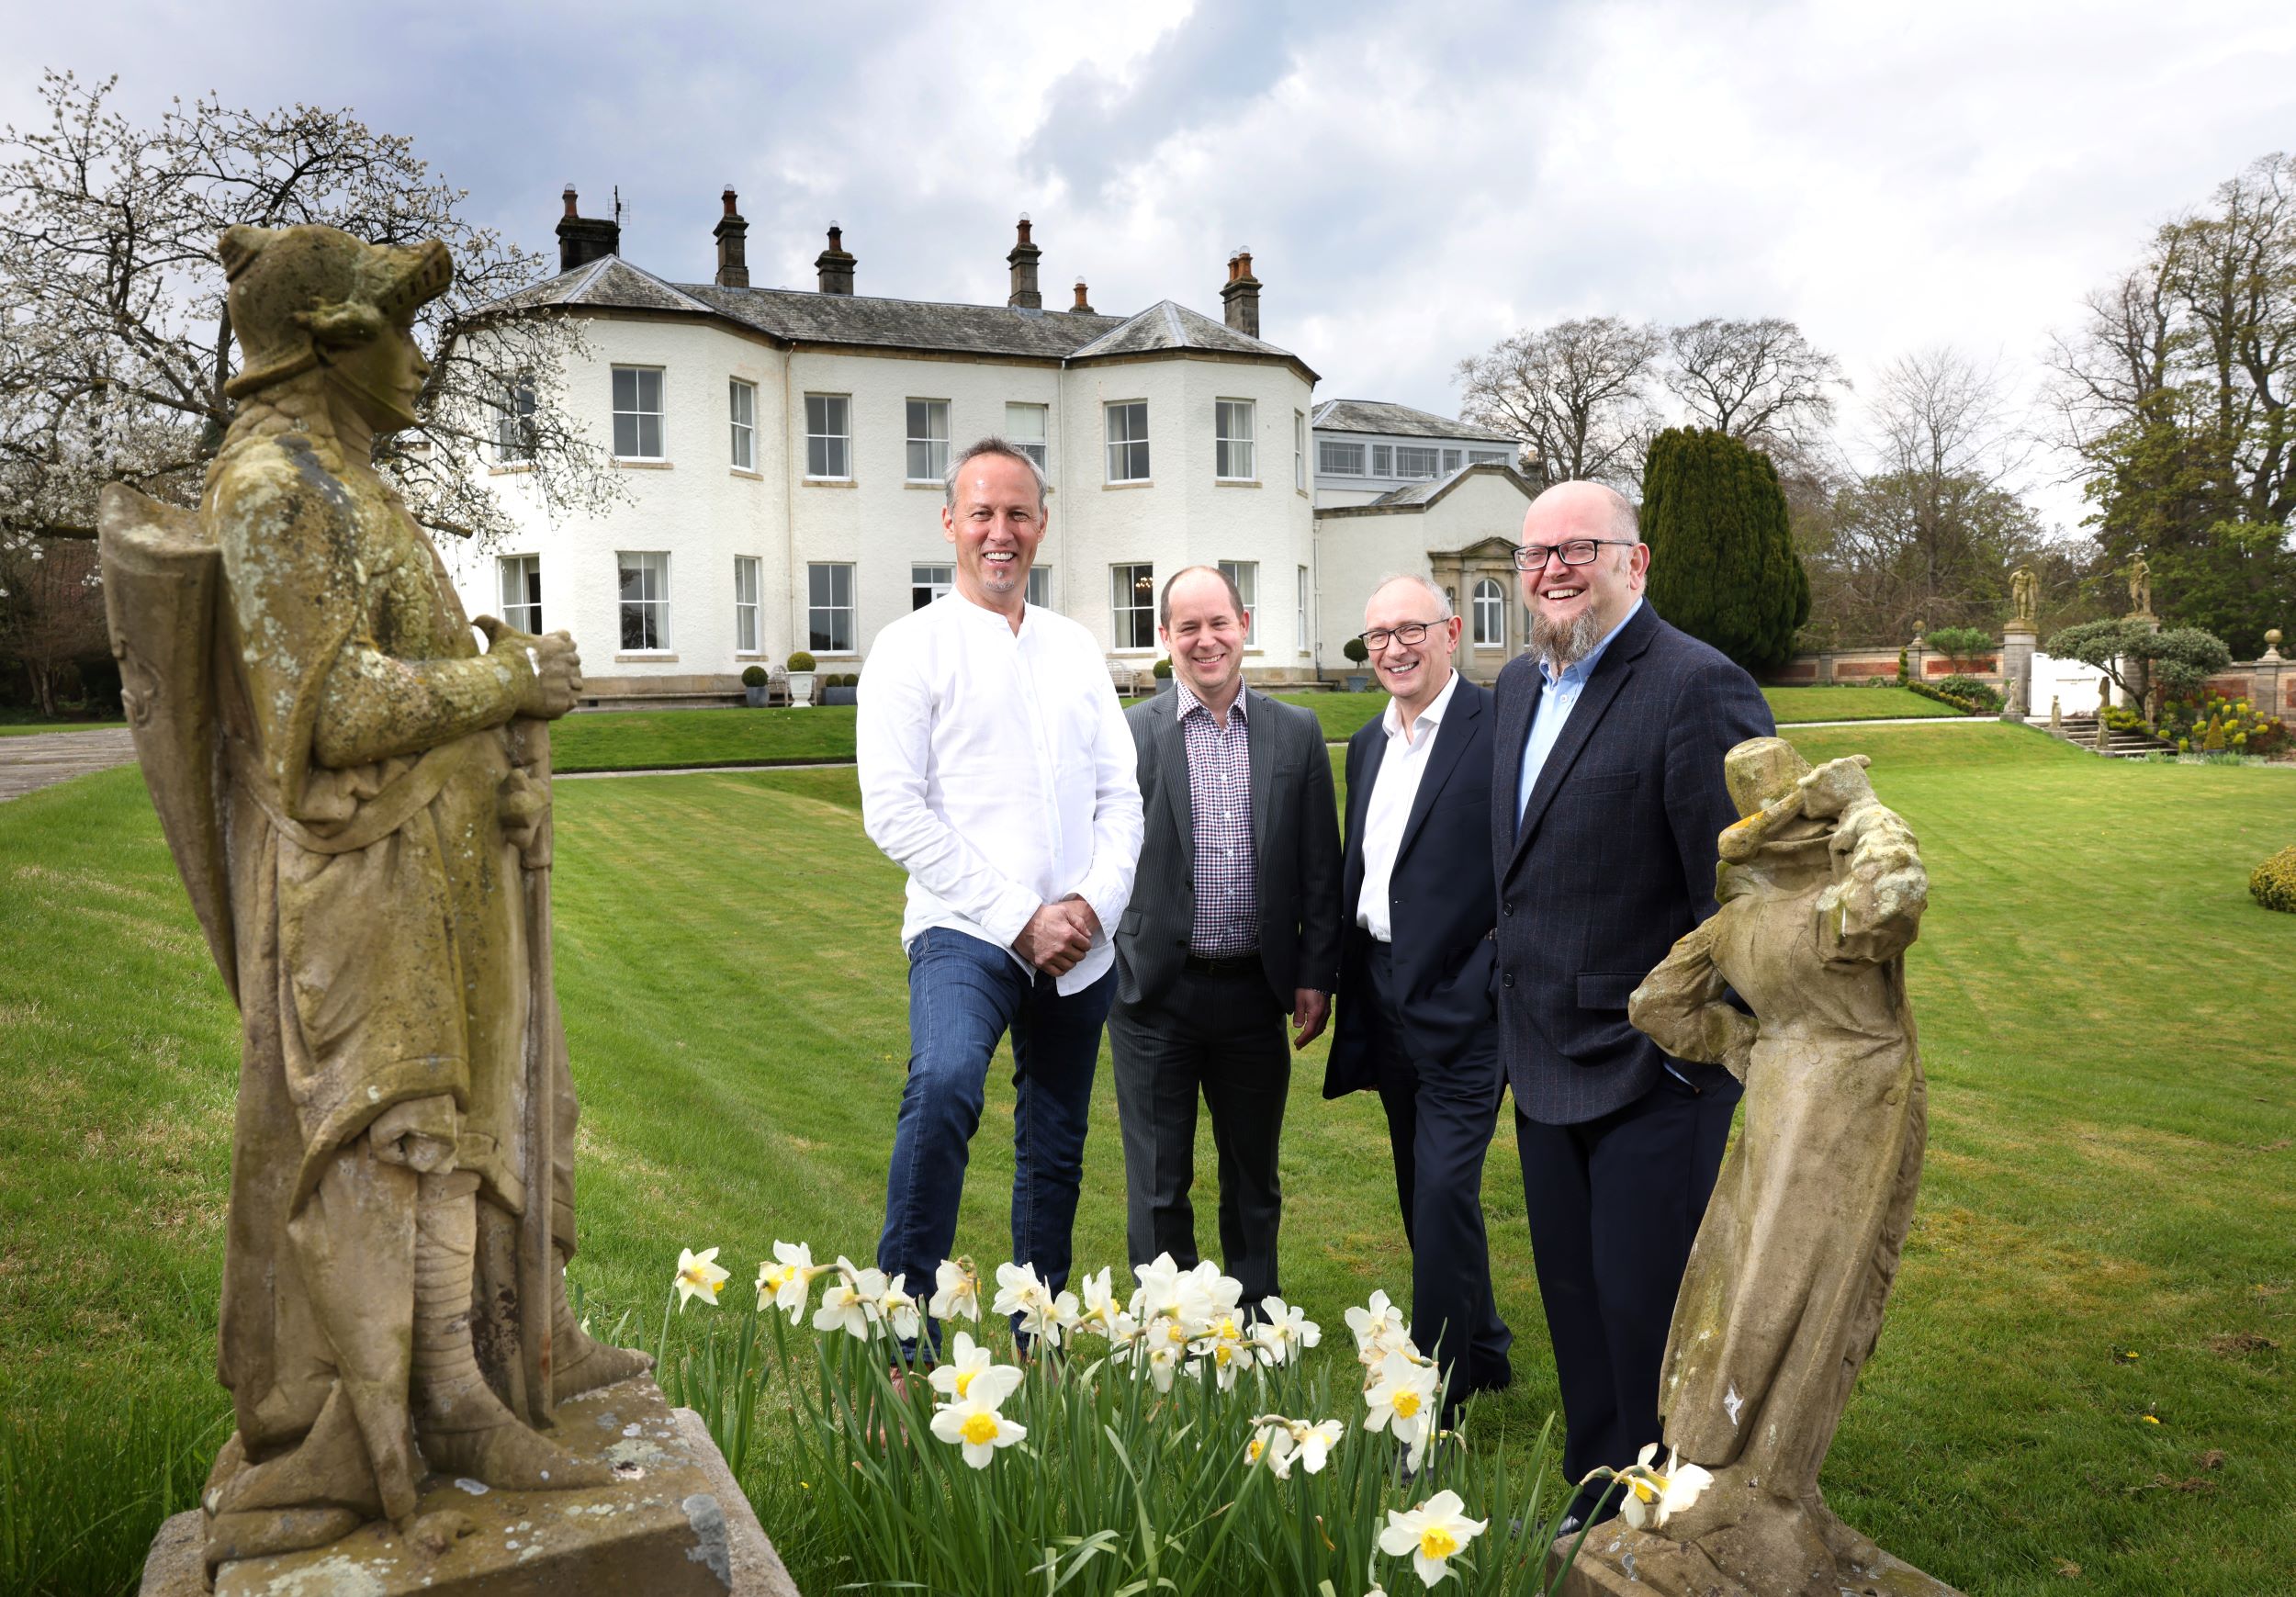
(1092, 1444)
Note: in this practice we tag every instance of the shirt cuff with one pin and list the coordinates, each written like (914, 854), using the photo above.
(1010, 914)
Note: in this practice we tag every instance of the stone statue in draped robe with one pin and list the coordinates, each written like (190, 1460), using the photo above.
(357, 798)
(1821, 890)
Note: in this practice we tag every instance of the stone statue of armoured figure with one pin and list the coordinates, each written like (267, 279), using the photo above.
(357, 797)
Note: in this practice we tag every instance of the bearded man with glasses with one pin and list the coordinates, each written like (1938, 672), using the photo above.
(1607, 795)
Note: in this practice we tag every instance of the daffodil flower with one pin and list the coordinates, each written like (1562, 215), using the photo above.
(1433, 1534)
(1655, 1495)
(786, 1282)
(1019, 1292)
(1379, 1329)
(967, 1361)
(698, 1276)
(1316, 1443)
(1283, 1333)
(895, 1308)
(1159, 1287)
(956, 1290)
(846, 1301)
(1402, 1401)
(975, 1425)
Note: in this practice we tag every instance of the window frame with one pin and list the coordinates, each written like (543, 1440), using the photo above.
(657, 603)
(1305, 647)
(1328, 450)
(843, 441)
(742, 422)
(1226, 443)
(528, 567)
(1433, 454)
(1486, 457)
(1039, 591)
(930, 586)
(1383, 460)
(1489, 594)
(831, 610)
(749, 612)
(913, 440)
(1042, 445)
(1300, 450)
(1245, 575)
(638, 414)
(1128, 443)
(1132, 580)
(517, 436)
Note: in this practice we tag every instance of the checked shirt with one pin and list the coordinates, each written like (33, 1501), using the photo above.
(1220, 796)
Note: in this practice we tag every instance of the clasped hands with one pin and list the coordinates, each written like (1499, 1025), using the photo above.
(554, 683)
(1058, 935)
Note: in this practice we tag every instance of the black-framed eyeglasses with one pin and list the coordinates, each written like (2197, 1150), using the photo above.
(1577, 552)
(1409, 634)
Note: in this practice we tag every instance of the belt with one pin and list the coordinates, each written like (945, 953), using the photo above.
(1225, 965)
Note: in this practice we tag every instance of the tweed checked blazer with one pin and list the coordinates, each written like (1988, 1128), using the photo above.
(1613, 859)
(1295, 853)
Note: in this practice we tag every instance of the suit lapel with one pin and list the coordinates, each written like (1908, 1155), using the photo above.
(1452, 734)
(1610, 674)
(1359, 786)
(1506, 759)
(1259, 740)
(1171, 776)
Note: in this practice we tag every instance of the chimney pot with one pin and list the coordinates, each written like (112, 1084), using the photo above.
(834, 265)
(1242, 295)
(732, 234)
(1022, 259)
(730, 199)
(582, 240)
(1083, 305)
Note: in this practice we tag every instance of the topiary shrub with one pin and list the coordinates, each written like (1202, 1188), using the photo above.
(1162, 669)
(801, 661)
(754, 677)
(1960, 643)
(2273, 883)
(1722, 562)
(1355, 650)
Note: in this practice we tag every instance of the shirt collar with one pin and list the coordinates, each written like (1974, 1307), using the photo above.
(1578, 670)
(1430, 716)
(972, 614)
(1188, 702)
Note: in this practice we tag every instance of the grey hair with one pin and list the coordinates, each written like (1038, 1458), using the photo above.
(1442, 600)
(991, 444)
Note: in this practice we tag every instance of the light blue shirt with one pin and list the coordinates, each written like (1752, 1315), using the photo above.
(1556, 702)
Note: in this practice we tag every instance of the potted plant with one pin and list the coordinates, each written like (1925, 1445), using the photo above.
(753, 681)
(801, 680)
(1357, 681)
(1163, 673)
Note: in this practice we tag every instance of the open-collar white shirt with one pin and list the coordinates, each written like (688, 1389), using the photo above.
(1393, 792)
(997, 771)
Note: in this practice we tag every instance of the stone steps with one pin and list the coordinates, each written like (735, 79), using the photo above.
(2081, 732)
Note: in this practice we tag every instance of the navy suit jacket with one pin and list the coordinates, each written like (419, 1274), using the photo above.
(1440, 903)
(1612, 860)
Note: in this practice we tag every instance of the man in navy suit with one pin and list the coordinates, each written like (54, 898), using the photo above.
(1414, 1017)
(1607, 796)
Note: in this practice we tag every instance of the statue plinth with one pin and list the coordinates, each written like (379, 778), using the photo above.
(672, 1522)
(1619, 1561)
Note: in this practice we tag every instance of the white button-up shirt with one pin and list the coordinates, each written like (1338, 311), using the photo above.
(1389, 809)
(997, 770)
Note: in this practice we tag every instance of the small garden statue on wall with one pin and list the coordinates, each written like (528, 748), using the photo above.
(2140, 588)
(2024, 596)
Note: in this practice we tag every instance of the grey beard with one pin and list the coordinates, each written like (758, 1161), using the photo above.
(1564, 644)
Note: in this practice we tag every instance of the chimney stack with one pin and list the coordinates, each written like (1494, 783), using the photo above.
(1083, 306)
(582, 240)
(1241, 294)
(732, 234)
(1022, 260)
(834, 266)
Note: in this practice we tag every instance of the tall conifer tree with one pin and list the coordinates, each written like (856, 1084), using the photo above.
(1722, 562)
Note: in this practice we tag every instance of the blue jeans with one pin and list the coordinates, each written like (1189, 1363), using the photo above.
(964, 994)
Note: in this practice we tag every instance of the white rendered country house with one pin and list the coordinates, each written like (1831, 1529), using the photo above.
(785, 451)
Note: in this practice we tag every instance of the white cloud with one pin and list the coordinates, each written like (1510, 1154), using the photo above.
(1414, 182)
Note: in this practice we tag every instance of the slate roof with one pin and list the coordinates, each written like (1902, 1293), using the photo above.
(1401, 421)
(793, 316)
(1419, 496)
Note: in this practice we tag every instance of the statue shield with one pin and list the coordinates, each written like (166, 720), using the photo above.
(163, 576)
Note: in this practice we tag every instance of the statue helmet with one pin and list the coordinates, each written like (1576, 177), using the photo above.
(295, 290)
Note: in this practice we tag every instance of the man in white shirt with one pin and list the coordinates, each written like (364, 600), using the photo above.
(996, 768)
(1415, 1019)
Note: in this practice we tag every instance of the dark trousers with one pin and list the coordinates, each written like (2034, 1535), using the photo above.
(964, 994)
(1440, 1118)
(1222, 1036)
(1615, 1204)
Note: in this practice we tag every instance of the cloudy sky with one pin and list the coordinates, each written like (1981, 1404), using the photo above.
(1414, 182)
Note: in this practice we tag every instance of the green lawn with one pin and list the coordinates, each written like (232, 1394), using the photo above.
(2103, 1234)
(1792, 707)
(644, 739)
(25, 728)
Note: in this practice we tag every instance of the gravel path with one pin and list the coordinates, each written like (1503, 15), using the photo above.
(31, 762)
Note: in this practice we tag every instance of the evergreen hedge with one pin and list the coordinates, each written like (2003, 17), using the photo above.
(1722, 562)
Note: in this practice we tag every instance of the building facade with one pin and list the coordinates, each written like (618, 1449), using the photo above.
(784, 453)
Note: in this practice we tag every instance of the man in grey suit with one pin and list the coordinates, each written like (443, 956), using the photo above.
(1233, 924)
